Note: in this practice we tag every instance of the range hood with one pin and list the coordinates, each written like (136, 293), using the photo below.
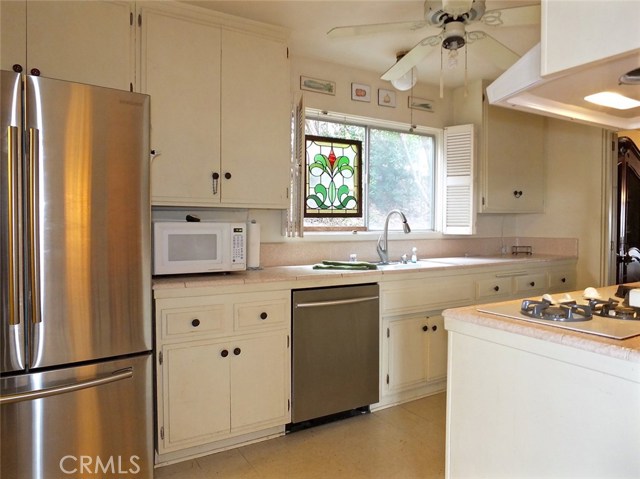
(562, 95)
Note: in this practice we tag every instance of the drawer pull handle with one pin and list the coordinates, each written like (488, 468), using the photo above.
(434, 328)
(195, 323)
(263, 315)
(496, 288)
(237, 351)
(224, 353)
(532, 284)
(425, 328)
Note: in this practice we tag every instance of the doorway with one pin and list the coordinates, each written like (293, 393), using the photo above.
(628, 231)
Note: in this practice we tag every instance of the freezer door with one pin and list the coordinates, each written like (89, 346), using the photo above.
(91, 422)
(11, 323)
(88, 222)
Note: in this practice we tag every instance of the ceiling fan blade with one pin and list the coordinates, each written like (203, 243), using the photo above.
(413, 57)
(354, 30)
(512, 17)
(490, 48)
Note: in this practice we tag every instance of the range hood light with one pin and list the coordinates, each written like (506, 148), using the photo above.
(613, 100)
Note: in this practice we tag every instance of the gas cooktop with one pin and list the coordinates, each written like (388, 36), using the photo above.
(603, 312)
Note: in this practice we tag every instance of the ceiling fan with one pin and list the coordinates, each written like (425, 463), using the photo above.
(447, 21)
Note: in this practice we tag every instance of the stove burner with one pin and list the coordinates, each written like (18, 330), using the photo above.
(565, 312)
(614, 309)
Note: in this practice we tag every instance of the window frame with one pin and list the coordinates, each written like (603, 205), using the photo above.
(438, 137)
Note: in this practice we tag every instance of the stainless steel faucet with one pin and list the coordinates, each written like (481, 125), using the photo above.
(382, 246)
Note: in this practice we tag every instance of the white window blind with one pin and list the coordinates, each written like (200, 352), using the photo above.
(459, 212)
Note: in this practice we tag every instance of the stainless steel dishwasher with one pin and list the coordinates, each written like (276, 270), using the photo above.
(335, 350)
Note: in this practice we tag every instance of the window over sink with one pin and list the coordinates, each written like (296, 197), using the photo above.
(349, 172)
(398, 172)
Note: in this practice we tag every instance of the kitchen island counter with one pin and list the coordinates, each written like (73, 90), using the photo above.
(528, 400)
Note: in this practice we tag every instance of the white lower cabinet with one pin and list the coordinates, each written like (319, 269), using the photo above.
(223, 371)
(416, 352)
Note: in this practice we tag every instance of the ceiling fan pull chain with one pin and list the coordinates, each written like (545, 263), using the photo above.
(441, 76)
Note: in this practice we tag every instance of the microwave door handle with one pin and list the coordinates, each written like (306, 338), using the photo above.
(34, 255)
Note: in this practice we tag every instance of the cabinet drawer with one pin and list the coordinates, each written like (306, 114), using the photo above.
(198, 320)
(531, 283)
(260, 315)
(493, 288)
(562, 281)
(424, 295)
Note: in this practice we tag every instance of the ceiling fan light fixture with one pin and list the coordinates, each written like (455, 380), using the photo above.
(406, 81)
(453, 36)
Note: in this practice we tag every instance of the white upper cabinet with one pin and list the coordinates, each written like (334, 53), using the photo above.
(510, 151)
(180, 69)
(220, 109)
(576, 33)
(86, 42)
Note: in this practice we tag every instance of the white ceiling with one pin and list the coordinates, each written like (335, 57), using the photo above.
(310, 20)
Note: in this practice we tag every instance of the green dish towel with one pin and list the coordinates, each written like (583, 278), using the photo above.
(357, 265)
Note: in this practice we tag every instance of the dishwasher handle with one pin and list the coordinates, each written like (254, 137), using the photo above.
(336, 302)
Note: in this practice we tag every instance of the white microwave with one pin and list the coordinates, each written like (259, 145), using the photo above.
(182, 247)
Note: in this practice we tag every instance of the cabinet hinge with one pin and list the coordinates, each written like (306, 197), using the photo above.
(139, 20)
(287, 52)
(162, 433)
(160, 357)
(483, 201)
(288, 404)
(131, 18)
(388, 333)
(288, 341)
(131, 87)
(387, 379)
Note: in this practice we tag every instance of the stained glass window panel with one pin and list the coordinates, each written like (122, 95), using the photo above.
(333, 177)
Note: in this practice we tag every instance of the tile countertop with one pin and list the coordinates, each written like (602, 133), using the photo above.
(307, 273)
(627, 349)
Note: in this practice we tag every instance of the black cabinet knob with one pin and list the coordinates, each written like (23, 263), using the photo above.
(195, 323)
(532, 284)
(517, 193)
(35, 72)
(237, 351)
(434, 328)
(224, 353)
(263, 315)
(425, 328)
(563, 280)
(496, 288)
(17, 68)
(227, 175)
(215, 175)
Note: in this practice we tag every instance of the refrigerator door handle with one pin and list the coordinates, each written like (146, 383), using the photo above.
(34, 259)
(67, 388)
(13, 241)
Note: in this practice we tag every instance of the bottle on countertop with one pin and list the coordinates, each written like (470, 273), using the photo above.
(414, 255)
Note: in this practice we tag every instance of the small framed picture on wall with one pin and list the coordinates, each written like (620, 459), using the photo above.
(387, 98)
(360, 92)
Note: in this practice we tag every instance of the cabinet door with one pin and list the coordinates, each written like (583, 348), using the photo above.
(513, 172)
(195, 396)
(259, 382)
(407, 343)
(180, 69)
(437, 363)
(13, 34)
(256, 125)
(86, 42)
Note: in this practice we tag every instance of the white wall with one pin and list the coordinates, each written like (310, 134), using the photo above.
(574, 195)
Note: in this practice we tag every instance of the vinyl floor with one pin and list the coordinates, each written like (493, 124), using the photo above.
(403, 442)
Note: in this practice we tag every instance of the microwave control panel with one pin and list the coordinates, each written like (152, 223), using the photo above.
(238, 247)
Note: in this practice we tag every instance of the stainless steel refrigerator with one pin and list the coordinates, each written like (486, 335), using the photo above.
(76, 381)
